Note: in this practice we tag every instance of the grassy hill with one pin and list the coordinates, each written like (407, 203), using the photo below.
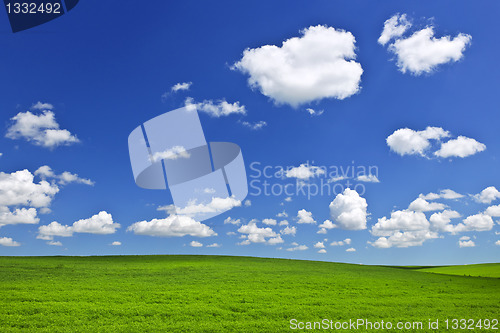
(481, 270)
(217, 293)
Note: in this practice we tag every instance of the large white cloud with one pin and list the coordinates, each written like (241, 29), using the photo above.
(348, 210)
(18, 216)
(440, 221)
(421, 52)
(493, 211)
(319, 64)
(405, 220)
(477, 222)
(406, 141)
(6, 241)
(19, 188)
(40, 129)
(404, 239)
(172, 226)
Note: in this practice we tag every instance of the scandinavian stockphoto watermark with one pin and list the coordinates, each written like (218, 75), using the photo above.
(309, 180)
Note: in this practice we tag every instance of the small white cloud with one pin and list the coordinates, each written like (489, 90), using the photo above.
(195, 244)
(230, 220)
(304, 172)
(368, 179)
(172, 226)
(441, 221)
(214, 245)
(394, 27)
(215, 205)
(54, 243)
(327, 225)
(282, 214)
(275, 240)
(406, 141)
(351, 249)
(255, 125)
(464, 238)
(460, 147)
(493, 211)
(487, 195)
(6, 241)
(319, 64)
(348, 210)
(101, 223)
(184, 86)
(256, 234)
(346, 241)
(116, 243)
(269, 221)
(322, 251)
(422, 205)
(313, 112)
(319, 245)
(216, 109)
(284, 222)
(468, 243)
(42, 106)
(477, 222)
(497, 243)
(39, 129)
(304, 216)
(247, 203)
(298, 248)
(288, 199)
(421, 52)
(289, 231)
(173, 153)
(65, 178)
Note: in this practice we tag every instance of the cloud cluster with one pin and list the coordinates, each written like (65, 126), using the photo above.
(319, 64)
(216, 109)
(41, 129)
(421, 52)
(99, 224)
(253, 234)
(65, 178)
(406, 141)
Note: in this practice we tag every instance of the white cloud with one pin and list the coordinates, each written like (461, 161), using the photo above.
(464, 238)
(289, 231)
(181, 86)
(195, 244)
(230, 233)
(348, 210)
(441, 221)
(101, 224)
(346, 241)
(305, 217)
(298, 248)
(319, 64)
(444, 194)
(46, 172)
(319, 245)
(394, 27)
(6, 241)
(422, 205)
(487, 195)
(214, 245)
(215, 205)
(173, 153)
(254, 126)
(282, 214)
(322, 251)
(42, 106)
(493, 211)
(421, 52)
(247, 203)
(368, 179)
(269, 221)
(18, 188)
(116, 243)
(304, 172)
(230, 220)
(284, 222)
(54, 243)
(406, 220)
(256, 234)
(406, 141)
(41, 130)
(460, 147)
(351, 249)
(497, 243)
(288, 199)
(477, 222)
(468, 243)
(313, 112)
(216, 109)
(18, 216)
(404, 239)
(275, 240)
(172, 226)
(327, 225)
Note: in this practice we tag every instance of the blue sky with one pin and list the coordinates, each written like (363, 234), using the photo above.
(106, 69)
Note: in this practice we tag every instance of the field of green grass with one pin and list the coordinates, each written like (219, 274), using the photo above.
(480, 270)
(226, 294)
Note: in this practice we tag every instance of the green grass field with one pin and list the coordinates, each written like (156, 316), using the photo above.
(235, 294)
(480, 270)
